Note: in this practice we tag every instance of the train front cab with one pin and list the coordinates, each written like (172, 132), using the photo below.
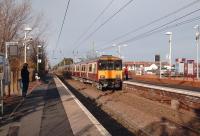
(110, 73)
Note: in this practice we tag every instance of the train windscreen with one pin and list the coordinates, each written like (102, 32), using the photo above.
(110, 65)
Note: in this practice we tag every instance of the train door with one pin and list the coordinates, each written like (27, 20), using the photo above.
(87, 70)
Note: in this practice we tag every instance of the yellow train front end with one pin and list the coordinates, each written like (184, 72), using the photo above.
(110, 72)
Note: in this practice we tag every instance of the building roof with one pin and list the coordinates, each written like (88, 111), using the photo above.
(144, 63)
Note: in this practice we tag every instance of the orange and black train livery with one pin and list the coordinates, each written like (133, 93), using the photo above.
(104, 71)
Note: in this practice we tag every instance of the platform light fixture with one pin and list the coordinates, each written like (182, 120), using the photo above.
(119, 48)
(26, 30)
(170, 50)
(197, 43)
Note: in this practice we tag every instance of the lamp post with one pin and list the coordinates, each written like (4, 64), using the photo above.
(39, 46)
(26, 29)
(75, 54)
(197, 43)
(170, 50)
(119, 48)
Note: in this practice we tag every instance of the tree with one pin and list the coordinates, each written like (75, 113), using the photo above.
(14, 16)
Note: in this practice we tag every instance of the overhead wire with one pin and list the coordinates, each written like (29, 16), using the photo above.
(172, 26)
(154, 29)
(176, 25)
(106, 21)
(61, 29)
(163, 29)
(152, 22)
(92, 24)
(158, 29)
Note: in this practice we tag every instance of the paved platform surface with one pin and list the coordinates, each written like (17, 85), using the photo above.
(51, 110)
(195, 89)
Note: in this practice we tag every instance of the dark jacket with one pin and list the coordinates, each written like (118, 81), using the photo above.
(25, 75)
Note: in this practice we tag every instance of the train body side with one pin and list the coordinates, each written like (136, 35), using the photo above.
(105, 71)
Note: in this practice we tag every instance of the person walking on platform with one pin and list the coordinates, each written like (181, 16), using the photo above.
(25, 79)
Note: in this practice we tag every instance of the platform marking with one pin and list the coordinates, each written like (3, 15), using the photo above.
(101, 129)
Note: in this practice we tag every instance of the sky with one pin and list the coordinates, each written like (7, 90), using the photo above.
(82, 13)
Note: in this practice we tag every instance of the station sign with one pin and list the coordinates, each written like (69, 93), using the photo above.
(12, 49)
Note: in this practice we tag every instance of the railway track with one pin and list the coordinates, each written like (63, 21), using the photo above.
(176, 86)
(165, 124)
(172, 127)
(184, 128)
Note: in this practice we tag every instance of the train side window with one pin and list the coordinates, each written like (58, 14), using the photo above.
(90, 67)
(83, 67)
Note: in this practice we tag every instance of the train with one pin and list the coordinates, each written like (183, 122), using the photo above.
(105, 72)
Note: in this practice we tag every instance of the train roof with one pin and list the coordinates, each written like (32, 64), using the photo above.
(103, 57)
(108, 57)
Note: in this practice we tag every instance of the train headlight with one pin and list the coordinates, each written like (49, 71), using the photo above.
(102, 77)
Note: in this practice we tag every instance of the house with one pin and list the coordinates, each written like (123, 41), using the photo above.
(152, 67)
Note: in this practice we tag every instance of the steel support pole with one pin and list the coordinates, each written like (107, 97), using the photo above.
(197, 40)
(25, 52)
(170, 53)
(1, 97)
(197, 59)
(37, 60)
(25, 48)
(119, 51)
(6, 50)
(160, 68)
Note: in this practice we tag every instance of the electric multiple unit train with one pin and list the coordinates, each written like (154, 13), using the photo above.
(104, 71)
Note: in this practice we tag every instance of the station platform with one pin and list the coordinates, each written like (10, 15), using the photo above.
(51, 110)
(81, 120)
(164, 88)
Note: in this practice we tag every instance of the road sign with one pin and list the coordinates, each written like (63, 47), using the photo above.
(11, 49)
